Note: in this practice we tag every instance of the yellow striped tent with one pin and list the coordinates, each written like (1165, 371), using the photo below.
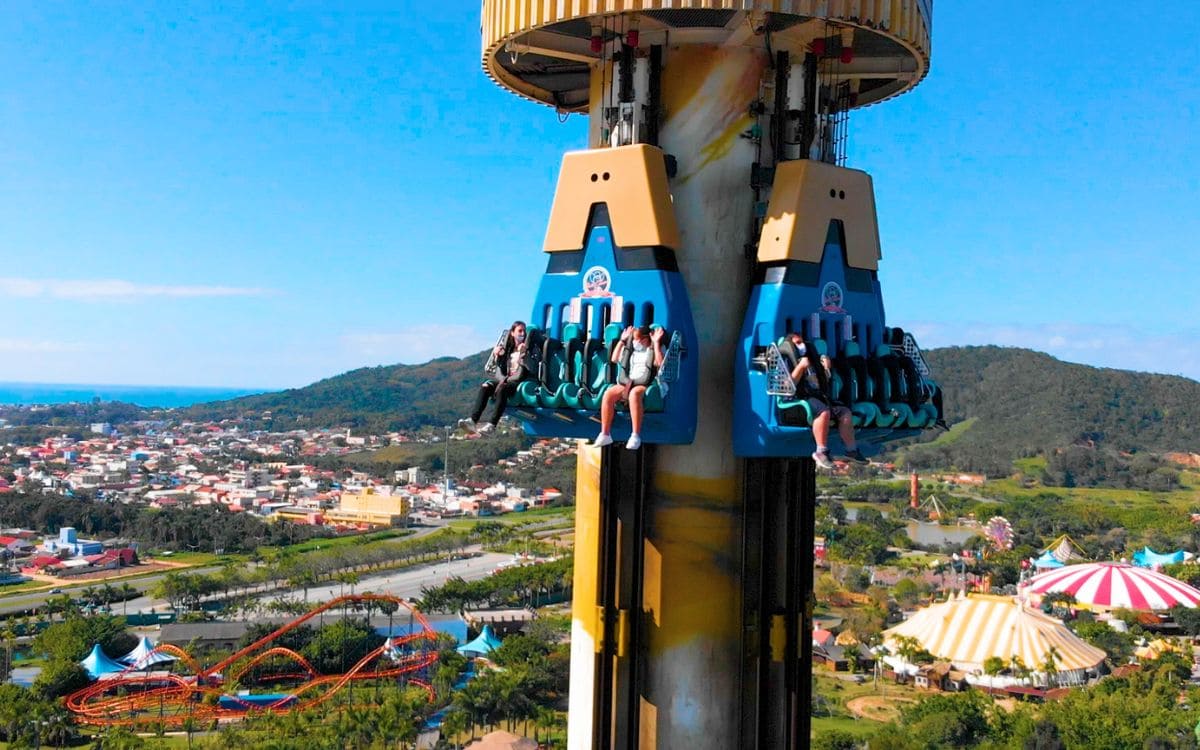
(967, 630)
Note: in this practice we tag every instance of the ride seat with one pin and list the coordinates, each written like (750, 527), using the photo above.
(557, 383)
(592, 376)
(866, 413)
(894, 396)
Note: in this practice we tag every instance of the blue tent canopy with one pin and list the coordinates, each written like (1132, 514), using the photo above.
(98, 663)
(484, 644)
(144, 655)
(1047, 560)
(1148, 558)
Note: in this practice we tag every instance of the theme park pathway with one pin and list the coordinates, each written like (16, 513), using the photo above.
(877, 707)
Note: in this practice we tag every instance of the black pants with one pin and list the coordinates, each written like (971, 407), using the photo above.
(498, 389)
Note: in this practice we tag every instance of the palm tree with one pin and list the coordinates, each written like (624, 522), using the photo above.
(56, 728)
(126, 593)
(90, 594)
(1050, 666)
(907, 647)
(454, 725)
(1017, 667)
(9, 636)
(993, 665)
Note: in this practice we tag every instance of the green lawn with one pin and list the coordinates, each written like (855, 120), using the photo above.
(955, 432)
(1031, 467)
(537, 516)
(195, 558)
(861, 728)
(311, 545)
(1136, 510)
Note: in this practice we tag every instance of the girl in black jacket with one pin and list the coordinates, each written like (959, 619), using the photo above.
(511, 369)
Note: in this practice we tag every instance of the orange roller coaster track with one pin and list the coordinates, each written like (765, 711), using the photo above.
(135, 698)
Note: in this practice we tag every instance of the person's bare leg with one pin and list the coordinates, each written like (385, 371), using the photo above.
(846, 430)
(608, 407)
(820, 430)
(637, 396)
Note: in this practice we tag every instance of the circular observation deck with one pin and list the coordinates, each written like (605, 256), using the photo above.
(545, 50)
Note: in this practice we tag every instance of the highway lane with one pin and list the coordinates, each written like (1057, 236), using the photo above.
(405, 582)
(21, 602)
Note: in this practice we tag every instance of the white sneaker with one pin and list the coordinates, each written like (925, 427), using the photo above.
(634, 442)
(486, 428)
(602, 440)
(822, 459)
(468, 424)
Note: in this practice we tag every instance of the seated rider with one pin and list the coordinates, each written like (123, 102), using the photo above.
(511, 368)
(639, 354)
(812, 378)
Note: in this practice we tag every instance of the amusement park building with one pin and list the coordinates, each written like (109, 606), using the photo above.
(370, 507)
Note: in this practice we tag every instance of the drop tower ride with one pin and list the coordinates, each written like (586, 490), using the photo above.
(713, 201)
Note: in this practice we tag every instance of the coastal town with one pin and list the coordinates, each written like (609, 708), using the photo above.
(272, 476)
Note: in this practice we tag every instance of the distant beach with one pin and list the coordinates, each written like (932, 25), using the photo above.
(143, 395)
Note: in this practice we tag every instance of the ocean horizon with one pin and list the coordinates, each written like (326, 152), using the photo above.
(163, 396)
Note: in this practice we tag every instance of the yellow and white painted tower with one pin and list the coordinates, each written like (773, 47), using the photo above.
(715, 65)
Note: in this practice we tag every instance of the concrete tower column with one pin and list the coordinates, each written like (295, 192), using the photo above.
(715, 53)
(693, 535)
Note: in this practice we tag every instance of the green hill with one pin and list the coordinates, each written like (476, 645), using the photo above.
(372, 399)
(1026, 403)
(1011, 403)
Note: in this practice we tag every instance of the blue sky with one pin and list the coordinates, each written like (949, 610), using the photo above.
(265, 196)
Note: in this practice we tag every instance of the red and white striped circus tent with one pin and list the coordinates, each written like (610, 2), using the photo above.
(1114, 585)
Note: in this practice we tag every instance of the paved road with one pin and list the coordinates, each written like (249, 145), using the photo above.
(407, 583)
(9, 605)
(20, 603)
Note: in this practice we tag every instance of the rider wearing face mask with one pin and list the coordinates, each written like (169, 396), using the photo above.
(639, 354)
(512, 369)
(812, 378)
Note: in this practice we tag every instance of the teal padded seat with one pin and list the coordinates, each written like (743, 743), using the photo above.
(557, 383)
(601, 370)
(593, 376)
(866, 413)
(893, 394)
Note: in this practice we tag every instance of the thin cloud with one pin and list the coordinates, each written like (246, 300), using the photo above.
(36, 346)
(419, 343)
(1115, 346)
(116, 289)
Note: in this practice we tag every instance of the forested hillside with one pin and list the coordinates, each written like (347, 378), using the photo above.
(372, 399)
(1024, 403)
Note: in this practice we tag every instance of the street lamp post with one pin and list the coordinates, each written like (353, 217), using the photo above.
(446, 469)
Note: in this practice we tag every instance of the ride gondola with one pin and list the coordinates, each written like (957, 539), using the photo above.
(817, 274)
(610, 246)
